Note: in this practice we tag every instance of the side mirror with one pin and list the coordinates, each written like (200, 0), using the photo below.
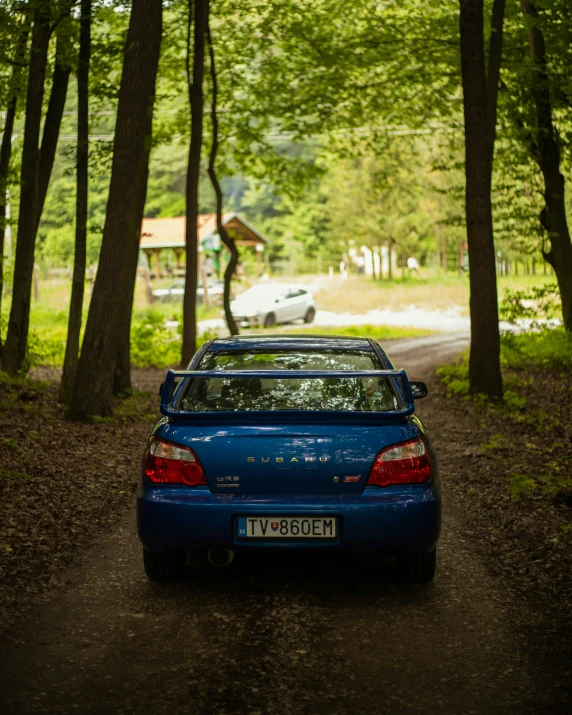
(161, 389)
(418, 390)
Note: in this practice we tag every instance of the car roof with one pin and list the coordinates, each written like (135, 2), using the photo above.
(290, 342)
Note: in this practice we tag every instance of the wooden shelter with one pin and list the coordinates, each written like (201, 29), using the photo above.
(160, 234)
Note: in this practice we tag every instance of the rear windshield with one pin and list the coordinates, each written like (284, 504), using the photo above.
(355, 394)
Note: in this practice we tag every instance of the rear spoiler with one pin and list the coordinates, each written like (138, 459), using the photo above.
(172, 392)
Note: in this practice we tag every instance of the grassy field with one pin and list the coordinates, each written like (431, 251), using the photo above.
(359, 295)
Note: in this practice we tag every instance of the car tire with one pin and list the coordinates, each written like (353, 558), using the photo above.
(164, 567)
(270, 320)
(310, 315)
(417, 568)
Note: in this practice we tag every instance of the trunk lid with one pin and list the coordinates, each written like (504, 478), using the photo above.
(286, 459)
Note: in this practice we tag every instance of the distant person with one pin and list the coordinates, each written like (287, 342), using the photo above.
(412, 264)
(208, 266)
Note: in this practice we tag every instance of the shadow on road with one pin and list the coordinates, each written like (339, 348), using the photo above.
(319, 578)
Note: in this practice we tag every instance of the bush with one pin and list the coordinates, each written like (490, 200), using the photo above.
(456, 376)
(535, 305)
(153, 342)
(47, 342)
(46, 347)
(548, 349)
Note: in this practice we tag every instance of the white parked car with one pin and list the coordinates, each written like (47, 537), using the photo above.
(270, 303)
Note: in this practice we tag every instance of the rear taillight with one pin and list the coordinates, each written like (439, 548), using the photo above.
(405, 463)
(168, 463)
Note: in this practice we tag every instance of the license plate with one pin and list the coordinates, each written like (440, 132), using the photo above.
(287, 527)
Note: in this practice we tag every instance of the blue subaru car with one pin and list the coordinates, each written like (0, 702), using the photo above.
(289, 442)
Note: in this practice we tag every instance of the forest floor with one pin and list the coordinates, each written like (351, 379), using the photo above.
(62, 483)
(85, 632)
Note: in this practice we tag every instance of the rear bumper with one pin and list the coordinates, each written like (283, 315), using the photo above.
(396, 519)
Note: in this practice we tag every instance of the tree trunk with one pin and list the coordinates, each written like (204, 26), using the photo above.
(389, 256)
(14, 352)
(479, 101)
(93, 387)
(122, 377)
(82, 163)
(223, 233)
(6, 148)
(53, 120)
(553, 216)
(196, 102)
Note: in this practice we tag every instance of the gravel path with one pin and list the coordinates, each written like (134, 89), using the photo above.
(281, 635)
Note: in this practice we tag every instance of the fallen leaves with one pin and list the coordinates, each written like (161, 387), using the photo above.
(61, 483)
(514, 484)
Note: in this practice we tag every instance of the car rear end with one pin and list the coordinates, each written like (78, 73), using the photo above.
(319, 450)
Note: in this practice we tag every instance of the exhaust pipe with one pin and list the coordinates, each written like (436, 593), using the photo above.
(220, 556)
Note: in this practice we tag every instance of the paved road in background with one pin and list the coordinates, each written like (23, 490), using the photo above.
(278, 635)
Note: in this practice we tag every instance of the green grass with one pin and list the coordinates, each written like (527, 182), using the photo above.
(427, 290)
(377, 332)
(550, 349)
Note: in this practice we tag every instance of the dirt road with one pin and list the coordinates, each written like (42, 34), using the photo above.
(288, 635)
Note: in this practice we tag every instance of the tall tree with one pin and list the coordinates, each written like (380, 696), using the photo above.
(480, 91)
(546, 151)
(226, 239)
(6, 148)
(55, 110)
(122, 376)
(197, 23)
(93, 388)
(16, 340)
(82, 163)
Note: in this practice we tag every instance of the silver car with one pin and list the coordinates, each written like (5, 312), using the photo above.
(268, 304)
(177, 291)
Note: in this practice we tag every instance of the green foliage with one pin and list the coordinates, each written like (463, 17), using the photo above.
(455, 376)
(521, 486)
(58, 246)
(47, 341)
(549, 349)
(152, 343)
(497, 442)
(534, 304)
(6, 473)
(513, 400)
